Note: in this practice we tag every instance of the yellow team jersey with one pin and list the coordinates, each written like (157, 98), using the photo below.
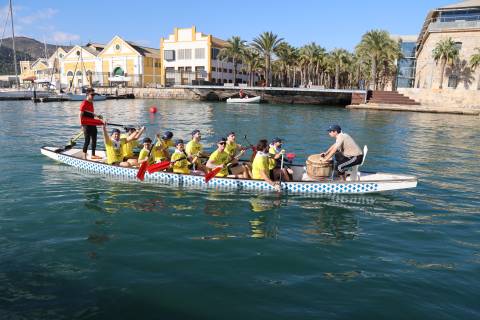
(260, 164)
(271, 161)
(193, 148)
(144, 154)
(127, 148)
(182, 165)
(231, 149)
(114, 150)
(160, 153)
(219, 158)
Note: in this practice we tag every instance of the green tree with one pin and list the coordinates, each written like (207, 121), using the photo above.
(234, 50)
(251, 60)
(445, 52)
(266, 44)
(475, 63)
(339, 57)
(375, 45)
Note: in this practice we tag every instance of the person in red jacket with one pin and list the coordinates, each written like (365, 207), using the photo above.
(89, 132)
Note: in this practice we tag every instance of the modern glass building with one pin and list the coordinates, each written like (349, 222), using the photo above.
(406, 65)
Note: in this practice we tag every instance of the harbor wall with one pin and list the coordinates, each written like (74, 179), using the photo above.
(444, 98)
(269, 95)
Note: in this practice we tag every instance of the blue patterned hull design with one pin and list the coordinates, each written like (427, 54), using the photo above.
(219, 183)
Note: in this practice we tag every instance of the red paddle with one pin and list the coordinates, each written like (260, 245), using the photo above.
(143, 167)
(212, 174)
(161, 165)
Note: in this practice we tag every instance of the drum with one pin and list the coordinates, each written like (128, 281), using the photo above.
(318, 167)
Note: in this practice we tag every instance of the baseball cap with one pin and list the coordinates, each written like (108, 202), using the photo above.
(277, 139)
(334, 127)
(221, 140)
(167, 135)
(179, 141)
(147, 140)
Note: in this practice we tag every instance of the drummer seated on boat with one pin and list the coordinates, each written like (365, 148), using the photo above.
(260, 165)
(180, 161)
(161, 147)
(275, 162)
(194, 149)
(145, 152)
(345, 151)
(235, 151)
(113, 146)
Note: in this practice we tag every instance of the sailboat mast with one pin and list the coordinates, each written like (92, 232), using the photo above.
(13, 46)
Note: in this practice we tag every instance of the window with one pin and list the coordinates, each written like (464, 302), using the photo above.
(452, 81)
(230, 70)
(184, 54)
(215, 52)
(117, 47)
(78, 52)
(214, 69)
(69, 74)
(169, 55)
(188, 69)
(79, 73)
(61, 55)
(225, 70)
(458, 45)
(199, 53)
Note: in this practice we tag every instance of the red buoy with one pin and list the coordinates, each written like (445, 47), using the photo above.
(153, 109)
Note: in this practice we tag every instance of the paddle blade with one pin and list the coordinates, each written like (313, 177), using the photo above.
(212, 174)
(141, 171)
(158, 166)
(91, 122)
(291, 156)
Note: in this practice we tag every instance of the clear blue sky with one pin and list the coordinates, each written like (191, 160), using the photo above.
(329, 23)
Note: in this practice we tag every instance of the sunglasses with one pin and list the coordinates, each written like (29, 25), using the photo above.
(221, 142)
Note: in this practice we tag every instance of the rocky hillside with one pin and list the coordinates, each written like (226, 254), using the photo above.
(27, 49)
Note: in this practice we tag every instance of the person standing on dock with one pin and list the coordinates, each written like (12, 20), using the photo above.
(346, 152)
(89, 131)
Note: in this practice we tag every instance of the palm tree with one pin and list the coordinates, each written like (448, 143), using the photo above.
(339, 58)
(234, 50)
(446, 52)
(475, 62)
(251, 59)
(266, 44)
(286, 60)
(373, 45)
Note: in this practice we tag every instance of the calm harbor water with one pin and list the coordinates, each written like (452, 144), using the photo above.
(78, 246)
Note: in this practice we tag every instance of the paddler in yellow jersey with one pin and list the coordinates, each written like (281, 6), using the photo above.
(143, 155)
(235, 151)
(219, 158)
(160, 153)
(275, 164)
(127, 148)
(194, 149)
(113, 146)
(260, 165)
(180, 160)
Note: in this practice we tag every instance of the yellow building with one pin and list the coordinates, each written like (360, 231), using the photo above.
(124, 62)
(189, 56)
(79, 66)
(43, 70)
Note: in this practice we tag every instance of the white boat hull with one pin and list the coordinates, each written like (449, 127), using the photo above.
(368, 183)
(244, 100)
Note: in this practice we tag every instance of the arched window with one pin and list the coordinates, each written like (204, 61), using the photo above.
(70, 74)
(118, 71)
(79, 73)
(89, 73)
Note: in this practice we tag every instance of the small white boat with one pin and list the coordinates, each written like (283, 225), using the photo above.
(81, 97)
(244, 100)
(366, 182)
